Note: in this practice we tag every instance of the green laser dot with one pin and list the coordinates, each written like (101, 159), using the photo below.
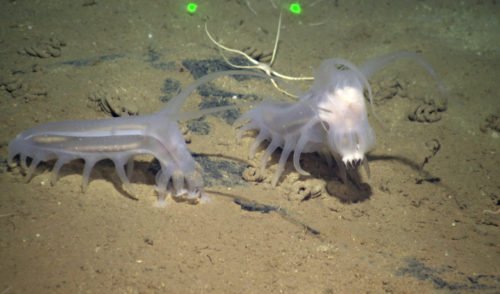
(191, 7)
(295, 8)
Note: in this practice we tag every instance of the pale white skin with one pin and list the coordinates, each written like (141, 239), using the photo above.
(331, 118)
(120, 139)
(350, 135)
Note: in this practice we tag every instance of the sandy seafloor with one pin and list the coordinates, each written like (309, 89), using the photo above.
(412, 230)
